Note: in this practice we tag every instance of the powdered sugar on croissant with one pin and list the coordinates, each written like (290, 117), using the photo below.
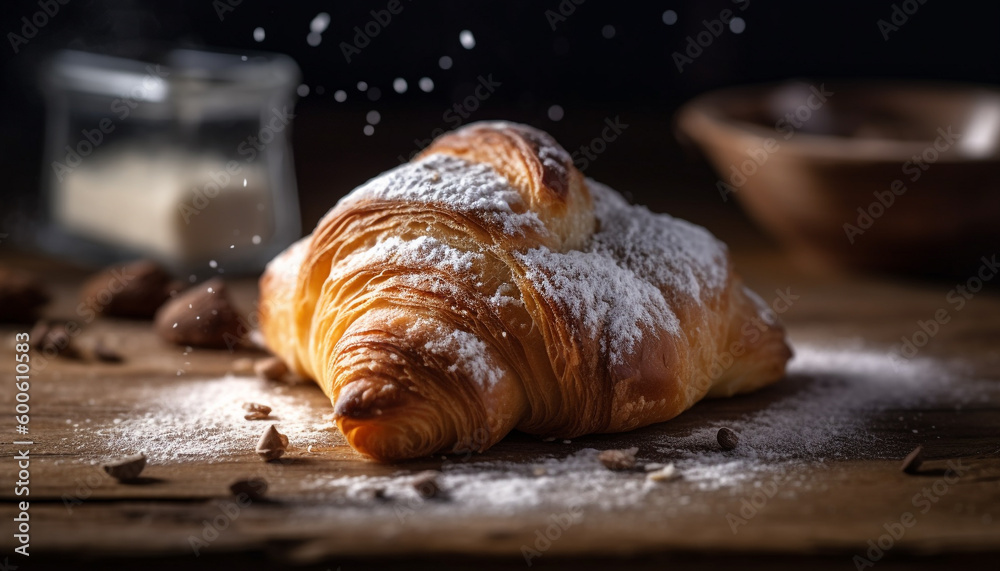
(487, 286)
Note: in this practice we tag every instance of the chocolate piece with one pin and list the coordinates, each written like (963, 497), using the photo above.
(127, 468)
(134, 290)
(618, 459)
(426, 484)
(53, 339)
(728, 438)
(272, 444)
(254, 488)
(271, 368)
(203, 316)
(105, 354)
(913, 461)
(256, 411)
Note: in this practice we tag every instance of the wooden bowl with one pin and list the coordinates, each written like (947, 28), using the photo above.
(874, 175)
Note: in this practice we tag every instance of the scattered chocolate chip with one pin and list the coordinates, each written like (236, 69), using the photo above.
(22, 295)
(728, 438)
(127, 468)
(913, 461)
(256, 411)
(271, 368)
(272, 444)
(105, 354)
(618, 459)
(53, 339)
(203, 316)
(254, 488)
(426, 484)
(135, 290)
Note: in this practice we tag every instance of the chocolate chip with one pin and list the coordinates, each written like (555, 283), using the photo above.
(127, 468)
(53, 339)
(203, 316)
(426, 484)
(135, 290)
(618, 459)
(728, 438)
(271, 368)
(105, 354)
(913, 461)
(253, 488)
(256, 411)
(272, 444)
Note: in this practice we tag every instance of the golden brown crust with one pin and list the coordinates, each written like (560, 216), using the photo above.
(425, 307)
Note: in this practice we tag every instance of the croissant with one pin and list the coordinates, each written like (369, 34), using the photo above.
(488, 286)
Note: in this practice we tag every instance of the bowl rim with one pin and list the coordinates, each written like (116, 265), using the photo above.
(706, 110)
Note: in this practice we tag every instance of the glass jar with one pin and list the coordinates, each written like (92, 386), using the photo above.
(183, 157)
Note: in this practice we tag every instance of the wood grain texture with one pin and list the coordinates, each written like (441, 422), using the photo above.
(837, 506)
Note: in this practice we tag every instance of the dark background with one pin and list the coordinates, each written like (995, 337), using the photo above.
(631, 75)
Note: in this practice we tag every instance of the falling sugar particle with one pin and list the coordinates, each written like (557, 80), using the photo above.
(244, 58)
(444, 62)
(244, 186)
(373, 117)
(369, 130)
(258, 34)
(211, 290)
(213, 264)
(399, 85)
(670, 17)
(314, 39)
(362, 86)
(426, 84)
(467, 40)
(737, 25)
(231, 246)
(320, 22)
(608, 31)
(302, 90)
(555, 112)
(192, 278)
(255, 239)
(340, 96)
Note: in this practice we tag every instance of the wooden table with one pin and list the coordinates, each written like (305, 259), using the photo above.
(839, 505)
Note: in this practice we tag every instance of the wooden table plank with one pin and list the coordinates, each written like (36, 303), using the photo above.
(827, 508)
